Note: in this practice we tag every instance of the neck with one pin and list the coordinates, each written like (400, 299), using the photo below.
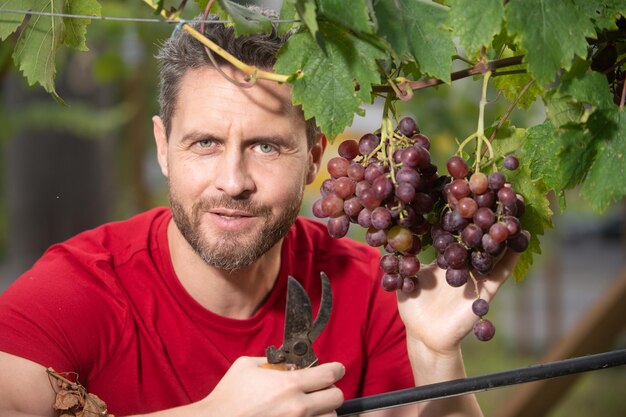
(234, 294)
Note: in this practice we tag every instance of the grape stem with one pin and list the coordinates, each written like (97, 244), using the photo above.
(251, 72)
(479, 135)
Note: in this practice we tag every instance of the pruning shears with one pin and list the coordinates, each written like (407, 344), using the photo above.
(301, 330)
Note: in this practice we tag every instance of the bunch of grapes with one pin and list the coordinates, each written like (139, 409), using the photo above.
(480, 221)
(387, 186)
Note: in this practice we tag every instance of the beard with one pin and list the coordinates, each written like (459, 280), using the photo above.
(231, 251)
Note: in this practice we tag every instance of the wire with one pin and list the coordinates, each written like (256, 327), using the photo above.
(121, 19)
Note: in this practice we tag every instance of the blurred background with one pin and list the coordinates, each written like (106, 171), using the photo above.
(68, 169)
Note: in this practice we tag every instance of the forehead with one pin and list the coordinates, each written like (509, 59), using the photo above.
(205, 96)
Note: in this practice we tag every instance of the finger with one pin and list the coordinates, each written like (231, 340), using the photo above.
(319, 377)
(501, 272)
(326, 401)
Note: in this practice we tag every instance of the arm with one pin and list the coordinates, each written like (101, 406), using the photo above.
(437, 317)
(245, 390)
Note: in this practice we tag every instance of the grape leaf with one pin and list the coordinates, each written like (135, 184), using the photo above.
(326, 89)
(591, 88)
(538, 215)
(352, 14)
(552, 31)
(37, 46)
(307, 10)
(603, 13)
(246, 21)
(10, 22)
(287, 12)
(476, 26)
(76, 29)
(536, 218)
(605, 181)
(416, 30)
(540, 150)
(512, 85)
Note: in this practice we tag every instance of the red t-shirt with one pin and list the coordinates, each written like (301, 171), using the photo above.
(107, 305)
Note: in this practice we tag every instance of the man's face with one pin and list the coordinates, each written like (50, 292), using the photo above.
(237, 162)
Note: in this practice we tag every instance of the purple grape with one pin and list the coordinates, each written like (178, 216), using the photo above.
(409, 266)
(375, 237)
(423, 203)
(327, 187)
(482, 262)
(408, 126)
(511, 163)
(484, 330)
(332, 205)
(441, 262)
(480, 307)
(496, 180)
(338, 226)
(442, 240)
(487, 199)
(457, 277)
(453, 222)
(348, 149)
(457, 167)
(365, 218)
(409, 284)
(382, 187)
(344, 187)
(389, 263)
(381, 218)
(372, 171)
(472, 235)
(391, 282)
(317, 209)
(499, 232)
(338, 167)
(456, 255)
(352, 207)
(421, 140)
(484, 218)
(368, 143)
(519, 243)
(356, 171)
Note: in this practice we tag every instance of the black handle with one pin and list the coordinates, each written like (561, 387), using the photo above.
(483, 382)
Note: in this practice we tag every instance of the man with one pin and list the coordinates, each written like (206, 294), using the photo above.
(169, 312)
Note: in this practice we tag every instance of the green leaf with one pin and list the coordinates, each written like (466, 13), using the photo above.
(416, 30)
(307, 10)
(536, 218)
(476, 26)
(76, 29)
(246, 21)
(512, 85)
(353, 14)
(37, 46)
(552, 31)
(538, 215)
(562, 109)
(591, 88)
(10, 22)
(541, 149)
(327, 88)
(576, 156)
(287, 12)
(605, 181)
(603, 13)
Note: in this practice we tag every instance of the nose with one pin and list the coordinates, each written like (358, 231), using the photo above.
(232, 174)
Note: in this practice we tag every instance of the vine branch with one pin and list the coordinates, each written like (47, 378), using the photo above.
(251, 71)
(479, 68)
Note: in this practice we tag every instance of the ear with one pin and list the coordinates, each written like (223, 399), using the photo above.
(160, 137)
(315, 158)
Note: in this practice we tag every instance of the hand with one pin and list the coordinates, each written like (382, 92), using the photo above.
(248, 390)
(438, 315)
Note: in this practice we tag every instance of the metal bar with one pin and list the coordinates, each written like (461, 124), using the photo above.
(482, 382)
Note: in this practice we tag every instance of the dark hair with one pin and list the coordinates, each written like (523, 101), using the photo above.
(182, 52)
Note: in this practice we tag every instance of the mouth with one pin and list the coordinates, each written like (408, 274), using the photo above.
(231, 214)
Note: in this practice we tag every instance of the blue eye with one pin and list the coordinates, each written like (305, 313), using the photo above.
(207, 143)
(265, 148)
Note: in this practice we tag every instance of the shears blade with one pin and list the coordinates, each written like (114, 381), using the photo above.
(300, 329)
